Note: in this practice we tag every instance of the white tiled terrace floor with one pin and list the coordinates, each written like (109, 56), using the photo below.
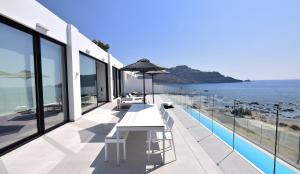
(78, 147)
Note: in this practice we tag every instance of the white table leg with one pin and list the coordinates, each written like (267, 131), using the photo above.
(124, 150)
(106, 151)
(118, 156)
(164, 138)
(149, 144)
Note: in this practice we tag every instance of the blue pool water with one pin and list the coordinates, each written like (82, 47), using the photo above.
(259, 158)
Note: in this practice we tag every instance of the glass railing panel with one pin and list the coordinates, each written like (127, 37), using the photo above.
(288, 145)
(241, 122)
(222, 119)
(206, 106)
(268, 130)
(248, 127)
(223, 112)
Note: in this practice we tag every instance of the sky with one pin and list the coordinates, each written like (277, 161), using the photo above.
(245, 39)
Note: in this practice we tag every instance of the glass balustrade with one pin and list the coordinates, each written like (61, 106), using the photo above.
(248, 127)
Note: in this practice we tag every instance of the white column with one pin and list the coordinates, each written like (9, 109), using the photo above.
(110, 79)
(73, 65)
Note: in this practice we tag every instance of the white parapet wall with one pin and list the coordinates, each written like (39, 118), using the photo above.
(137, 85)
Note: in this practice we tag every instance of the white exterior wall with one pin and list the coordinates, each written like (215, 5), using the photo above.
(110, 79)
(30, 13)
(115, 63)
(73, 74)
(137, 85)
(87, 46)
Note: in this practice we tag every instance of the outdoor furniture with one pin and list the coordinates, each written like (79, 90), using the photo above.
(143, 66)
(111, 138)
(141, 117)
(162, 109)
(23, 110)
(134, 97)
(155, 136)
(164, 114)
(136, 94)
(165, 117)
(52, 106)
(167, 105)
(121, 102)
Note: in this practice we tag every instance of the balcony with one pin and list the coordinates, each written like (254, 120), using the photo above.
(78, 147)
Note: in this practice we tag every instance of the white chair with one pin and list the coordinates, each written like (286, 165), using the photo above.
(165, 117)
(162, 109)
(154, 136)
(112, 138)
(119, 106)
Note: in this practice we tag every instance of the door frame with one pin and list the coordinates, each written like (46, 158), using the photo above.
(106, 67)
(40, 125)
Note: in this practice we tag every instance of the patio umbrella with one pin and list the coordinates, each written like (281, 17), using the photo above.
(143, 66)
(152, 73)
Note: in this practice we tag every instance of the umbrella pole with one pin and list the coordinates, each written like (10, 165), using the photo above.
(144, 87)
(152, 89)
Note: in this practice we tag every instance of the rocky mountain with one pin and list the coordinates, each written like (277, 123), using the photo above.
(185, 75)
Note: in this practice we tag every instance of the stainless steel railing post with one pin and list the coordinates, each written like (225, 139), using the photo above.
(276, 134)
(233, 130)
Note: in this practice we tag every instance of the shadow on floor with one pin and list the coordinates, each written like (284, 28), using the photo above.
(120, 114)
(96, 133)
(136, 162)
(4, 130)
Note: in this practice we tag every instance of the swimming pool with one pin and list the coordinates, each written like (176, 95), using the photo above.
(261, 159)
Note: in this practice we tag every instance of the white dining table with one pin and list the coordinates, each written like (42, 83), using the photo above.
(141, 117)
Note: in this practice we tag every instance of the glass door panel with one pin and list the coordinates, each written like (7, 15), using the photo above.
(17, 86)
(52, 55)
(88, 82)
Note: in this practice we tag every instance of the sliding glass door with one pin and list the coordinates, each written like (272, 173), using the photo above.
(33, 97)
(18, 116)
(102, 82)
(117, 82)
(88, 82)
(54, 97)
(120, 78)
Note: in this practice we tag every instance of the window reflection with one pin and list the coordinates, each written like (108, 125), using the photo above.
(88, 82)
(116, 82)
(53, 83)
(17, 86)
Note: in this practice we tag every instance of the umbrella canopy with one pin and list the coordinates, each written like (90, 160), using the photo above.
(143, 66)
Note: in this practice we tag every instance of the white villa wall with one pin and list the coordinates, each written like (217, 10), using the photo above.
(137, 85)
(30, 13)
(115, 63)
(87, 46)
(110, 79)
(73, 74)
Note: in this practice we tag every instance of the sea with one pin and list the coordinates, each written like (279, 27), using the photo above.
(262, 91)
